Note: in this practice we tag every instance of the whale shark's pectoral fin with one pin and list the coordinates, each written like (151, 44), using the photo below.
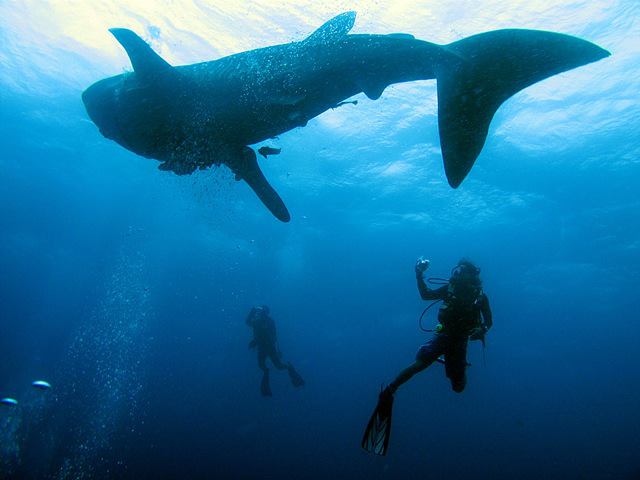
(244, 165)
(146, 63)
(334, 29)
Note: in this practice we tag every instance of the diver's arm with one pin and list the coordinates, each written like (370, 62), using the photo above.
(485, 309)
(426, 293)
(422, 265)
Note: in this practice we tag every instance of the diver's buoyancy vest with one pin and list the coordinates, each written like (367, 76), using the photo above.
(460, 311)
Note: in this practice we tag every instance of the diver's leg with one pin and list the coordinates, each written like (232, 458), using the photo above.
(262, 359)
(276, 359)
(406, 374)
(427, 354)
(294, 376)
(265, 387)
(455, 363)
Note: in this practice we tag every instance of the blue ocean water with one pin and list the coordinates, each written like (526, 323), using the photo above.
(127, 288)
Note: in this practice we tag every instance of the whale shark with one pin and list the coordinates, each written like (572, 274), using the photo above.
(196, 116)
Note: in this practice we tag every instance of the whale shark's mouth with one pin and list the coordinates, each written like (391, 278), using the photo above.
(101, 105)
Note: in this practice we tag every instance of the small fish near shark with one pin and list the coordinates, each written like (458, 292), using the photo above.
(195, 116)
(266, 151)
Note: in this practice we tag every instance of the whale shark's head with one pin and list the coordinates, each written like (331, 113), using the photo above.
(101, 102)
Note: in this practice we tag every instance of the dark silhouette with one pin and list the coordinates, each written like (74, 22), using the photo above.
(464, 314)
(205, 114)
(266, 342)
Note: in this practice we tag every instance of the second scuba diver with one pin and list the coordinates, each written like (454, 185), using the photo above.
(464, 314)
(265, 340)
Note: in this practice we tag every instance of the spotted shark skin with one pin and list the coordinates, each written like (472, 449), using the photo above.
(195, 116)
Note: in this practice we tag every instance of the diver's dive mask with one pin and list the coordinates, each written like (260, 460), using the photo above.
(465, 273)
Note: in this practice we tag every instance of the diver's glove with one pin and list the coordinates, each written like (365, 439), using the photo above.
(422, 264)
(478, 333)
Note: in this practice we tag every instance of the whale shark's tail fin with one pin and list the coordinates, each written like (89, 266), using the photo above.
(245, 166)
(495, 66)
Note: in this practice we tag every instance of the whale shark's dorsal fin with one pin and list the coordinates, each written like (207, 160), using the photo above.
(334, 29)
(145, 61)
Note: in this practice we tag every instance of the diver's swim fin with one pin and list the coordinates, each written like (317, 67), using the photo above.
(265, 388)
(376, 435)
(294, 376)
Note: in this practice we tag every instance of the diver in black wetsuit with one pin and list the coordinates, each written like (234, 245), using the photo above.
(465, 314)
(265, 340)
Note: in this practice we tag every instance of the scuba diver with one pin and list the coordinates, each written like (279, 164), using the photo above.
(265, 340)
(464, 315)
